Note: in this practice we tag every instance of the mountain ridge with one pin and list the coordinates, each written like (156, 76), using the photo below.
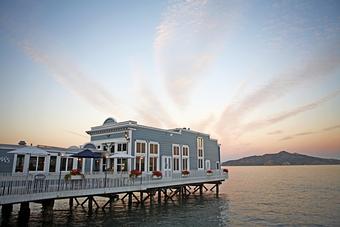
(281, 158)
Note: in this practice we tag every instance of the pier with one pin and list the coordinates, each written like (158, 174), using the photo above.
(45, 189)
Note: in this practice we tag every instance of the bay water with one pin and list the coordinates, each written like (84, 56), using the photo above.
(252, 196)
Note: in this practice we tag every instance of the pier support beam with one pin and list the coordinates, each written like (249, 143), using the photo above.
(90, 202)
(130, 199)
(159, 195)
(217, 189)
(47, 210)
(24, 213)
(70, 203)
(6, 210)
(24, 208)
(201, 189)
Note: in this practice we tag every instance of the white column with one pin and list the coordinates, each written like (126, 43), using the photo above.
(14, 163)
(26, 163)
(57, 169)
(91, 165)
(83, 161)
(47, 163)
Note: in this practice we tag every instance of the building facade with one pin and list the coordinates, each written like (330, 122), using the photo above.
(123, 146)
(167, 150)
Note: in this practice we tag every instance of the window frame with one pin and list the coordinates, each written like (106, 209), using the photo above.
(200, 153)
(153, 156)
(176, 158)
(138, 164)
(185, 157)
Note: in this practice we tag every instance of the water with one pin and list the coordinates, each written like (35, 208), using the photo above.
(253, 196)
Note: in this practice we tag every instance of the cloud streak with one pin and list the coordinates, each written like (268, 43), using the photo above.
(188, 40)
(73, 79)
(315, 69)
(332, 128)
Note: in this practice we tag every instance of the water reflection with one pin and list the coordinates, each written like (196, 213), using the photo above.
(195, 210)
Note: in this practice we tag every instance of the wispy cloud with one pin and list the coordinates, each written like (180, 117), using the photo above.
(332, 128)
(287, 138)
(73, 79)
(274, 132)
(297, 135)
(149, 109)
(288, 114)
(304, 133)
(188, 40)
(313, 70)
(76, 134)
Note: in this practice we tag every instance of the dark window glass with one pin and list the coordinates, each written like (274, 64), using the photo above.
(96, 164)
(70, 164)
(63, 164)
(41, 163)
(19, 167)
(33, 164)
(80, 164)
(53, 163)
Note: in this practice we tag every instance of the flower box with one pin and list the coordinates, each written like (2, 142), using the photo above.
(74, 174)
(76, 177)
(157, 174)
(209, 172)
(185, 173)
(135, 173)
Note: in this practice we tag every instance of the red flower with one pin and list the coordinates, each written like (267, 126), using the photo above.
(225, 170)
(135, 172)
(185, 172)
(157, 173)
(74, 172)
(209, 171)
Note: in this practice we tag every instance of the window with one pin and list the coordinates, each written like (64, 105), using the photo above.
(176, 158)
(200, 152)
(96, 164)
(217, 165)
(185, 157)
(80, 163)
(122, 147)
(140, 149)
(33, 164)
(140, 163)
(122, 164)
(19, 167)
(66, 164)
(200, 163)
(112, 149)
(69, 163)
(153, 156)
(53, 163)
(36, 163)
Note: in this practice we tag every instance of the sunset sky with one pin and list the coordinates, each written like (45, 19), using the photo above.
(259, 76)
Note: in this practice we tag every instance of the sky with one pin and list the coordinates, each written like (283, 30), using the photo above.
(259, 76)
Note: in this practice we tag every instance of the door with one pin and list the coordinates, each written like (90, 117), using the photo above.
(166, 166)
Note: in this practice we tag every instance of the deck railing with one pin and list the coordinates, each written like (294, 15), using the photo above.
(33, 184)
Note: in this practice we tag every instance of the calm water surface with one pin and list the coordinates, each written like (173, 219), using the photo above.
(253, 196)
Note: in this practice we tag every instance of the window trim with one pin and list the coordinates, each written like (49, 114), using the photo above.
(144, 155)
(200, 146)
(176, 157)
(150, 155)
(186, 157)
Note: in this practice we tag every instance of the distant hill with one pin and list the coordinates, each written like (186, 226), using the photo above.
(281, 158)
